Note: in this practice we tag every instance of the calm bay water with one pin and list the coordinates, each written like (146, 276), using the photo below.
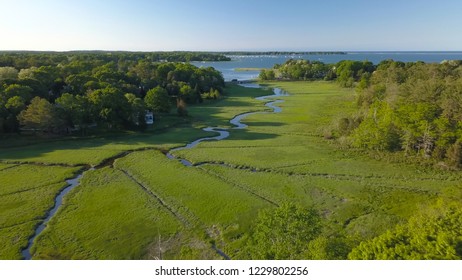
(267, 61)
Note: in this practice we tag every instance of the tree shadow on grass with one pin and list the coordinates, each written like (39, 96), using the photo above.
(264, 124)
(247, 135)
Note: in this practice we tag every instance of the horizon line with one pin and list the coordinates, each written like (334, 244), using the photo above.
(230, 51)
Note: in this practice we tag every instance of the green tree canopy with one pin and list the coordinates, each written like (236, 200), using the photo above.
(110, 107)
(75, 111)
(158, 100)
(8, 73)
(137, 110)
(106, 88)
(413, 107)
(25, 92)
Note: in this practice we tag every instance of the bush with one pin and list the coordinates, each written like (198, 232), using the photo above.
(434, 235)
(284, 233)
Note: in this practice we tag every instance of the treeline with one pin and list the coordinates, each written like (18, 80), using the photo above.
(60, 92)
(414, 108)
(27, 59)
(188, 56)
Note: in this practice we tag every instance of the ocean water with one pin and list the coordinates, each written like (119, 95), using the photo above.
(267, 61)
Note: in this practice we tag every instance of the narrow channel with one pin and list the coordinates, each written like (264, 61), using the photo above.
(71, 183)
(236, 121)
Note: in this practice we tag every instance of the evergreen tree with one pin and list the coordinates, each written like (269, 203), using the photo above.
(38, 116)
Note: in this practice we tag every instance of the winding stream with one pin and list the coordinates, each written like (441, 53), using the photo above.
(236, 121)
(223, 134)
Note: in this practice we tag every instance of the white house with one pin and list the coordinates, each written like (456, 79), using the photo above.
(149, 117)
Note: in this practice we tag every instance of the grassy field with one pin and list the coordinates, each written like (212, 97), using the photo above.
(95, 150)
(144, 201)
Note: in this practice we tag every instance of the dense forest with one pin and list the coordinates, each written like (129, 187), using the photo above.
(60, 92)
(413, 108)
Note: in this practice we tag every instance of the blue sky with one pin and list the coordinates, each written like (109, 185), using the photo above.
(217, 25)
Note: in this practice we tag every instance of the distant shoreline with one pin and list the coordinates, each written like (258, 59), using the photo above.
(244, 69)
(224, 52)
(282, 53)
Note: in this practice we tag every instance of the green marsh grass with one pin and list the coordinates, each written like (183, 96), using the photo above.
(203, 199)
(27, 192)
(94, 151)
(107, 216)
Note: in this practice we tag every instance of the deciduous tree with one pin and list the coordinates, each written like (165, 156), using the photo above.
(158, 100)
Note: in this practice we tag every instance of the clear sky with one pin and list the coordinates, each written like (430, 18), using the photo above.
(218, 25)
